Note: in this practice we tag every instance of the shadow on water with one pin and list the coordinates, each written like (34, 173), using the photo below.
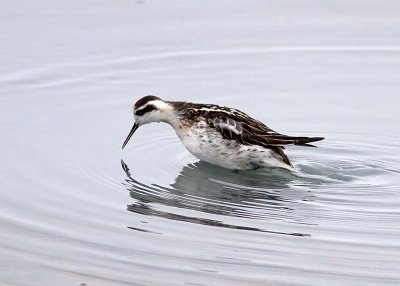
(210, 190)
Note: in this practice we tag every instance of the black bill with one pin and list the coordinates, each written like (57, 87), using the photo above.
(135, 126)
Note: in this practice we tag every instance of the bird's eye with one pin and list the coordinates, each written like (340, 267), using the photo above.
(145, 110)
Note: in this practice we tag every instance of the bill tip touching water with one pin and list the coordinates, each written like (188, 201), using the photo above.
(219, 135)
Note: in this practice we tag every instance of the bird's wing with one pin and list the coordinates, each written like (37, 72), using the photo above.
(247, 130)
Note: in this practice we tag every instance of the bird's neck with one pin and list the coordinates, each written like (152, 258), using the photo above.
(170, 116)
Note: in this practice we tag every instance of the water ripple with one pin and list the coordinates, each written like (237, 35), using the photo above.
(124, 70)
(272, 199)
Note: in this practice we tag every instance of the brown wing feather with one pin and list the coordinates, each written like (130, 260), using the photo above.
(247, 130)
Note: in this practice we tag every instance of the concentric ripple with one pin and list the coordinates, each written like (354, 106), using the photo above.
(332, 183)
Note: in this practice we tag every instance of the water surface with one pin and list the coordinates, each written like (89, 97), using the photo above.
(76, 209)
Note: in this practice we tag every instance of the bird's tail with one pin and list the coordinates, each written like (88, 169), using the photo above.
(280, 139)
(304, 141)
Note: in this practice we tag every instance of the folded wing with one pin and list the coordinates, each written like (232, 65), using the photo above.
(248, 131)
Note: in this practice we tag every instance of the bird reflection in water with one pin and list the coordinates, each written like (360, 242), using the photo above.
(257, 195)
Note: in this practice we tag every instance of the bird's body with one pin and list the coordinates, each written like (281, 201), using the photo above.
(206, 144)
(219, 135)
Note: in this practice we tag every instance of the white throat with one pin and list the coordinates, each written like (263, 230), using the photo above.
(167, 113)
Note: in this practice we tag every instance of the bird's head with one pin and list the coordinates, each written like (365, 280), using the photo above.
(146, 110)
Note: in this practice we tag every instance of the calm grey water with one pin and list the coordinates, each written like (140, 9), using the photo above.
(77, 210)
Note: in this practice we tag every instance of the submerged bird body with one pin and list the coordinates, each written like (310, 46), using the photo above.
(219, 135)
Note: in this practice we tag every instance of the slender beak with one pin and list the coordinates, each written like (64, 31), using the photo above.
(134, 127)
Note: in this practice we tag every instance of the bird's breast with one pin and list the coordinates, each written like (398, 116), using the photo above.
(205, 143)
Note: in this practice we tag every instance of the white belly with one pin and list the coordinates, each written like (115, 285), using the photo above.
(208, 145)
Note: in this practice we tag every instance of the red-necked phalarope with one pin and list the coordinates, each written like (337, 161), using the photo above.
(219, 135)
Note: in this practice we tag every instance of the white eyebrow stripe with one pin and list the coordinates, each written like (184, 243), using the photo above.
(159, 105)
(143, 106)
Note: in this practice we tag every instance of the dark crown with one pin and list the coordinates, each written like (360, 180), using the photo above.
(145, 100)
